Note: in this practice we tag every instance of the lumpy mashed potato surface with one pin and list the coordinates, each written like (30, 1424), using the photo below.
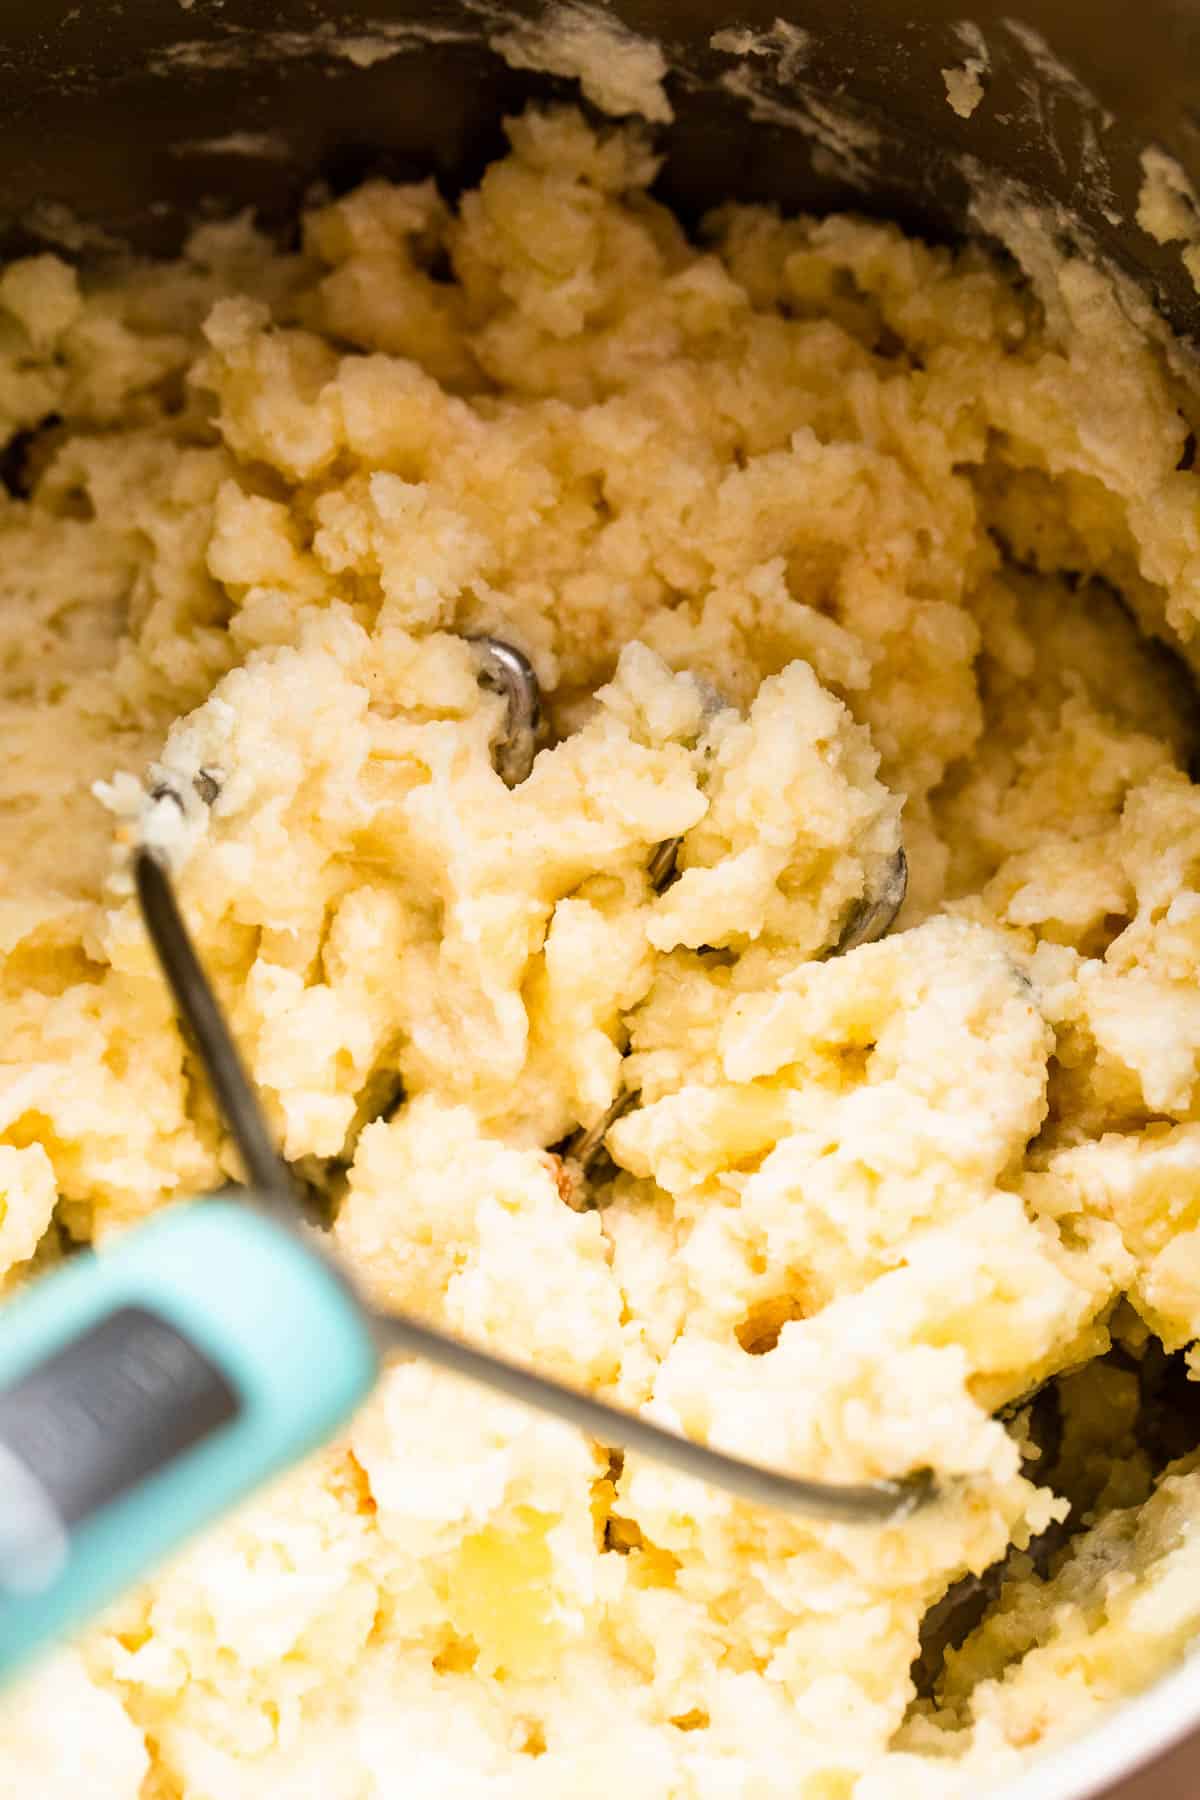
(913, 518)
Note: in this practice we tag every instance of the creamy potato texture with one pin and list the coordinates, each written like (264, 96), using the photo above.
(917, 517)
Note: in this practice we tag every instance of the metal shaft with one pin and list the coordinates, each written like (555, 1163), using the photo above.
(266, 1172)
(875, 1500)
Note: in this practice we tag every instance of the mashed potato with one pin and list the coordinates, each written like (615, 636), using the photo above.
(917, 518)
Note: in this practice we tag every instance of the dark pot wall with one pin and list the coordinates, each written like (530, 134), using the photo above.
(99, 101)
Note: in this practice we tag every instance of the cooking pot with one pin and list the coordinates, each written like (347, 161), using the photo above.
(122, 121)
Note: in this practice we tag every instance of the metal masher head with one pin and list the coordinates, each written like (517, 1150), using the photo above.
(507, 671)
(883, 1502)
(273, 1185)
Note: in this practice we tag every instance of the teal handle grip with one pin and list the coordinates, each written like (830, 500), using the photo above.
(146, 1390)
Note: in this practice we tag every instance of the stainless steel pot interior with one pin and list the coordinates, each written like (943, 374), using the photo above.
(126, 119)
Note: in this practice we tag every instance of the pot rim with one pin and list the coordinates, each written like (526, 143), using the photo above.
(1129, 1738)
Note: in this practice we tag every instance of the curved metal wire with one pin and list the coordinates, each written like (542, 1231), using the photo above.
(507, 671)
(875, 914)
